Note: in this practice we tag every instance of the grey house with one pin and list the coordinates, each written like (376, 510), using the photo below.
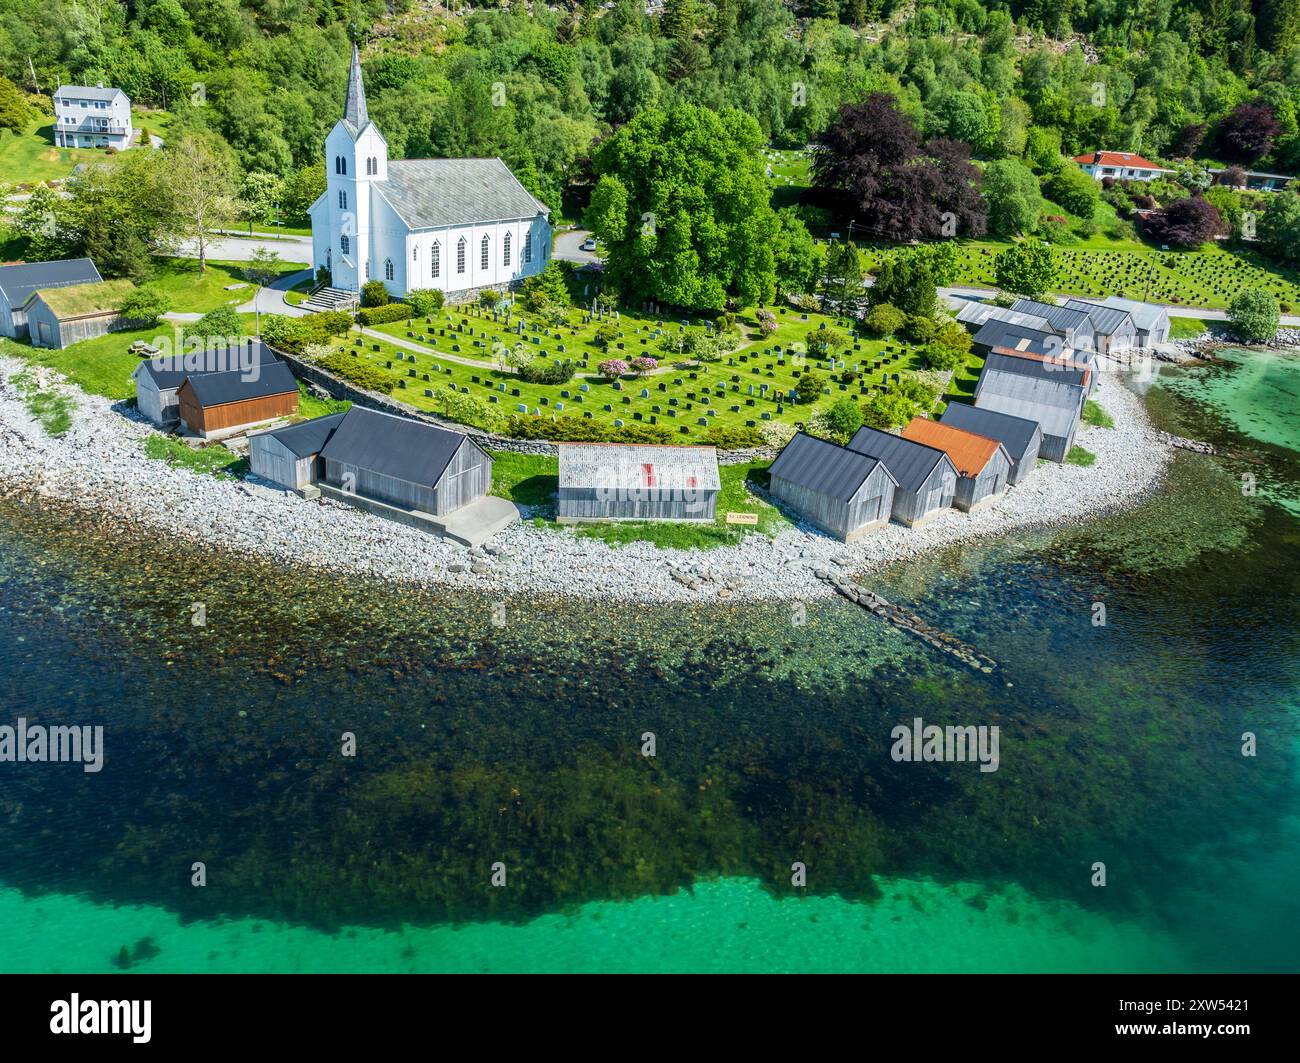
(1073, 326)
(1036, 390)
(995, 333)
(158, 380)
(1113, 327)
(92, 116)
(1150, 321)
(974, 315)
(845, 493)
(60, 317)
(926, 478)
(403, 464)
(982, 464)
(618, 481)
(20, 283)
(1022, 438)
(290, 456)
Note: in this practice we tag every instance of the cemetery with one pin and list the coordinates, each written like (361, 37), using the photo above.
(752, 386)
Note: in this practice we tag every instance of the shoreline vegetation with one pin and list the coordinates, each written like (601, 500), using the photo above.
(100, 465)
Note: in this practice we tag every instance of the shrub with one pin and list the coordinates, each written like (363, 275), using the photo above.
(373, 293)
(355, 371)
(324, 277)
(606, 335)
(809, 388)
(920, 329)
(726, 437)
(613, 368)
(489, 298)
(145, 305)
(581, 430)
(1253, 316)
(220, 323)
(545, 371)
(766, 322)
(380, 315)
(468, 410)
(885, 320)
(842, 420)
(425, 301)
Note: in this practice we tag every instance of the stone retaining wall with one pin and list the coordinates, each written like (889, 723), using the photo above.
(339, 388)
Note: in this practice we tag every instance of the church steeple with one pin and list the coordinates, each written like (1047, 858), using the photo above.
(354, 110)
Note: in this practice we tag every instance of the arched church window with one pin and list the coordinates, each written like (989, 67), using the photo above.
(528, 247)
(435, 259)
(505, 250)
(460, 255)
(388, 269)
(344, 243)
(343, 199)
(483, 253)
(340, 164)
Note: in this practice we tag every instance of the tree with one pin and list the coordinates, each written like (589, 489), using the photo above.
(219, 324)
(884, 320)
(1247, 133)
(809, 388)
(1025, 268)
(906, 280)
(15, 112)
(842, 420)
(425, 301)
(1278, 228)
(1014, 202)
(798, 258)
(38, 223)
(202, 177)
(1186, 222)
(260, 195)
(301, 189)
(843, 281)
(1254, 316)
(948, 348)
(682, 205)
(145, 304)
(1074, 190)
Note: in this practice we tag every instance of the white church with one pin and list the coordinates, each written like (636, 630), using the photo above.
(460, 225)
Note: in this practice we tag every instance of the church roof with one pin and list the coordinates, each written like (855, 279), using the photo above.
(354, 107)
(427, 193)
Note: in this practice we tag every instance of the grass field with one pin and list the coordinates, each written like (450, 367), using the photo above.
(32, 157)
(747, 388)
(532, 481)
(195, 293)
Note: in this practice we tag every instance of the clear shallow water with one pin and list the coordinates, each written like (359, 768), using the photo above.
(478, 744)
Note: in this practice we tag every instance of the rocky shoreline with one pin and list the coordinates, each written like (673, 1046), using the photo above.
(99, 466)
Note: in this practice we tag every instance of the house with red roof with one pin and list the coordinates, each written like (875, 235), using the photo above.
(1120, 165)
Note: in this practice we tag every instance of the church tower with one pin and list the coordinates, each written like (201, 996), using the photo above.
(356, 156)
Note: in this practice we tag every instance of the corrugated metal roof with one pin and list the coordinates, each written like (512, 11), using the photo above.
(1052, 403)
(414, 451)
(1025, 363)
(1061, 318)
(168, 373)
(1019, 337)
(217, 389)
(1014, 433)
(977, 314)
(637, 467)
(969, 452)
(908, 463)
(1106, 320)
(427, 193)
(307, 437)
(824, 467)
(20, 281)
(1146, 316)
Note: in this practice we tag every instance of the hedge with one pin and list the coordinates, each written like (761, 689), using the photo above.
(355, 371)
(733, 438)
(546, 372)
(581, 430)
(381, 315)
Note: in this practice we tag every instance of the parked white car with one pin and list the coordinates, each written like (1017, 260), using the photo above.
(589, 244)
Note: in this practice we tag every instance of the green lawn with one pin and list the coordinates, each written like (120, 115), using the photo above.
(212, 458)
(531, 480)
(682, 396)
(309, 406)
(1079, 456)
(1189, 328)
(32, 157)
(192, 292)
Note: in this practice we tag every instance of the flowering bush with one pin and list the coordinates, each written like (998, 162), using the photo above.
(644, 364)
(613, 368)
(766, 322)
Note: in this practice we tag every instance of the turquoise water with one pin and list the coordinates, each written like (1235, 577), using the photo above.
(1120, 744)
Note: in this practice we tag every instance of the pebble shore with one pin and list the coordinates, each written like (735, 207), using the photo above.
(100, 465)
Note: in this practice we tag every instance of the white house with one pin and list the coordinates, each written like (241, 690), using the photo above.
(459, 225)
(92, 117)
(1121, 165)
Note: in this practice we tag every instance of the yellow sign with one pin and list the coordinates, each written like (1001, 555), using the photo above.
(742, 518)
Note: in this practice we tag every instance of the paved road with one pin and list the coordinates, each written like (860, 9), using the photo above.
(242, 248)
(957, 296)
(568, 247)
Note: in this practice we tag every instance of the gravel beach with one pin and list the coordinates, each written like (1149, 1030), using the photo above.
(100, 464)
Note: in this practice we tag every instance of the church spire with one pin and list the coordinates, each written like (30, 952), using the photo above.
(354, 110)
